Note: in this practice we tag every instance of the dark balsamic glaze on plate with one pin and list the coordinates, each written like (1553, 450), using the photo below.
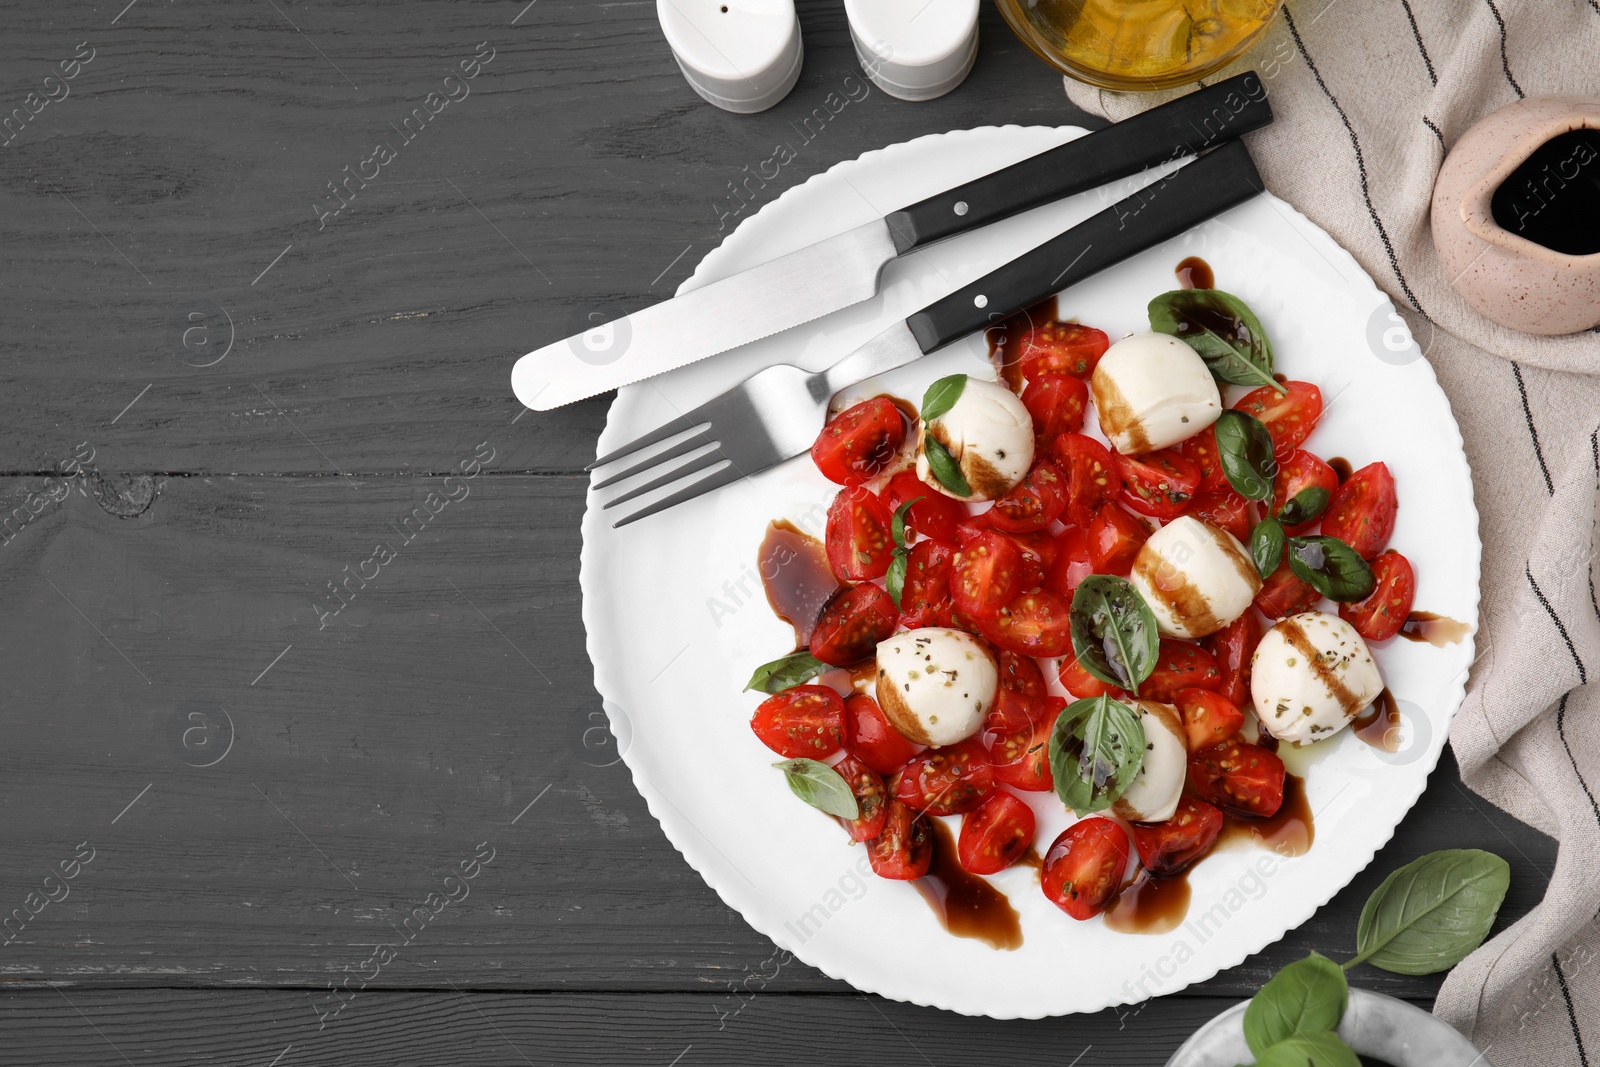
(1150, 905)
(1195, 273)
(966, 904)
(1379, 725)
(1288, 833)
(1436, 630)
(796, 576)
(1006, 339)
(1341, 468)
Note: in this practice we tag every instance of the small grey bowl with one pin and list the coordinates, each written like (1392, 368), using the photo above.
(1376, 1026)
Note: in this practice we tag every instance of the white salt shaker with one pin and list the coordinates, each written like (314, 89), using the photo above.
(741, 55)
(915, 49)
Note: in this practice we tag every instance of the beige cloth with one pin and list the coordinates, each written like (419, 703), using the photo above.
(1369, 94)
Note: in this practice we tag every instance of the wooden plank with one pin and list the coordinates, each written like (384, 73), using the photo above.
(370, 756)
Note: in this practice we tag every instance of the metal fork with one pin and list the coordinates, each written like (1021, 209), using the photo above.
(776, 413)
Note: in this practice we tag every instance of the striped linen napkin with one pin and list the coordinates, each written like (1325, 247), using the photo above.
(1369, 95)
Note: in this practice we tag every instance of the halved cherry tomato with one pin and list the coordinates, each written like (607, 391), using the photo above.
(946, 781)
(1038, 553)
(1301, 470)
(807, 721)
(871, 799)
(1114, 540)
(1239, 777)
(1161, 484)
(1072, 563)
(1080, 683)
(905, 848)
(1208, 718)
(935, 515)
(1166, 848)
(1362, 512)
(1035, 623)
(1057, 403)
(1226, 510)
(1035, 503)
(1284, 594)
(1061, 348)
(1232, 647)
(1021, 757)
(860, 441)
(1289, 417)
(925, 595)
(985, 574)
(852, 624)
(858, 540)
(1202, 449)
(1180, 665)
(872, 739)
(1019, 699)
(996, 835)
(1381, 615)
(1090, 472)
(972, 526)
(1084, 867)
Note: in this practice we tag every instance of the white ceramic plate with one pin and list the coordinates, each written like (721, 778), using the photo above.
(676, 618)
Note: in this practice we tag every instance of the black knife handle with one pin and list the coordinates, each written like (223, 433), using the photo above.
(1194, 193)
(1184, 127)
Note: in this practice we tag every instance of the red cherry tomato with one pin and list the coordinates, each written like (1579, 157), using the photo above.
(905, 848)
(1301, 470)
(1090, 472)
(1114, 540)
(946, 781)
(1362, 512)
(1166, 848)
(1021, 757)
(1180, 665)
(1226, 510)
(985, 574)
(1232, 647)
(1084, 867)
(1202, 450)
(1080, 683)
(935, 515)
(1035, 623)
(1284, 594)
(806, 721)
(871, 799)
(1072, 563)
(1239, 777)
(1061, 348)
(858, 540)
(925, 596)
(872, 739)
(860, 441)
(1161, 484)
(1057, 403)
(1208, 718)
(1289, 417)
(972, 526)
(1038, 553)
(1035, 503)
(1381, 615)
(996, 835)
(852, 624)
(1019, 699)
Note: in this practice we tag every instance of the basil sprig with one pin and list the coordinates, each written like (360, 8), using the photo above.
(1324, 1049)
(1431, 913)
(820, 786)
(1308, 996)
(942, 396)
(1331, 567)
(1114, 632)
(1222, 329)
(786, 672)
(1306, 505)
(1096, 750)
(944, 466)
(1244, 448)
(895, 580)
(1266, 546)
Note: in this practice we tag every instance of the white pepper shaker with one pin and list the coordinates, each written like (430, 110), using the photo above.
(741, 55)
(915, 49)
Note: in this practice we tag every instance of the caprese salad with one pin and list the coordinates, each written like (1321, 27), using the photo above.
(1173, 572)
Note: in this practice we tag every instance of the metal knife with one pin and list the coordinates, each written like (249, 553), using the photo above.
(843, 270)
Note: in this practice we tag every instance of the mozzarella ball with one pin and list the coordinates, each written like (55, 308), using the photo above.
(1153, 796)
(1196, 578)
(1151, 390)
(1312, 673)
(990, 435)
(936, 685)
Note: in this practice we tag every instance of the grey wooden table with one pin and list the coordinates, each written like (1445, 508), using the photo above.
(225, 382)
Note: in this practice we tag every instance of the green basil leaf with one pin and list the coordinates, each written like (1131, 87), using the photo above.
(942, 396)
(944, 466)
(786, 672)
(1309, 1050)
(1222, 329)
(1430, 914)
(1331, 567)
(1096, 750)
(1244, 448)
(820, 786)
(1306, 505)
(897, 527)
(1266, 545)
(894, 582)
(1307, 996)
(1114, 632)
